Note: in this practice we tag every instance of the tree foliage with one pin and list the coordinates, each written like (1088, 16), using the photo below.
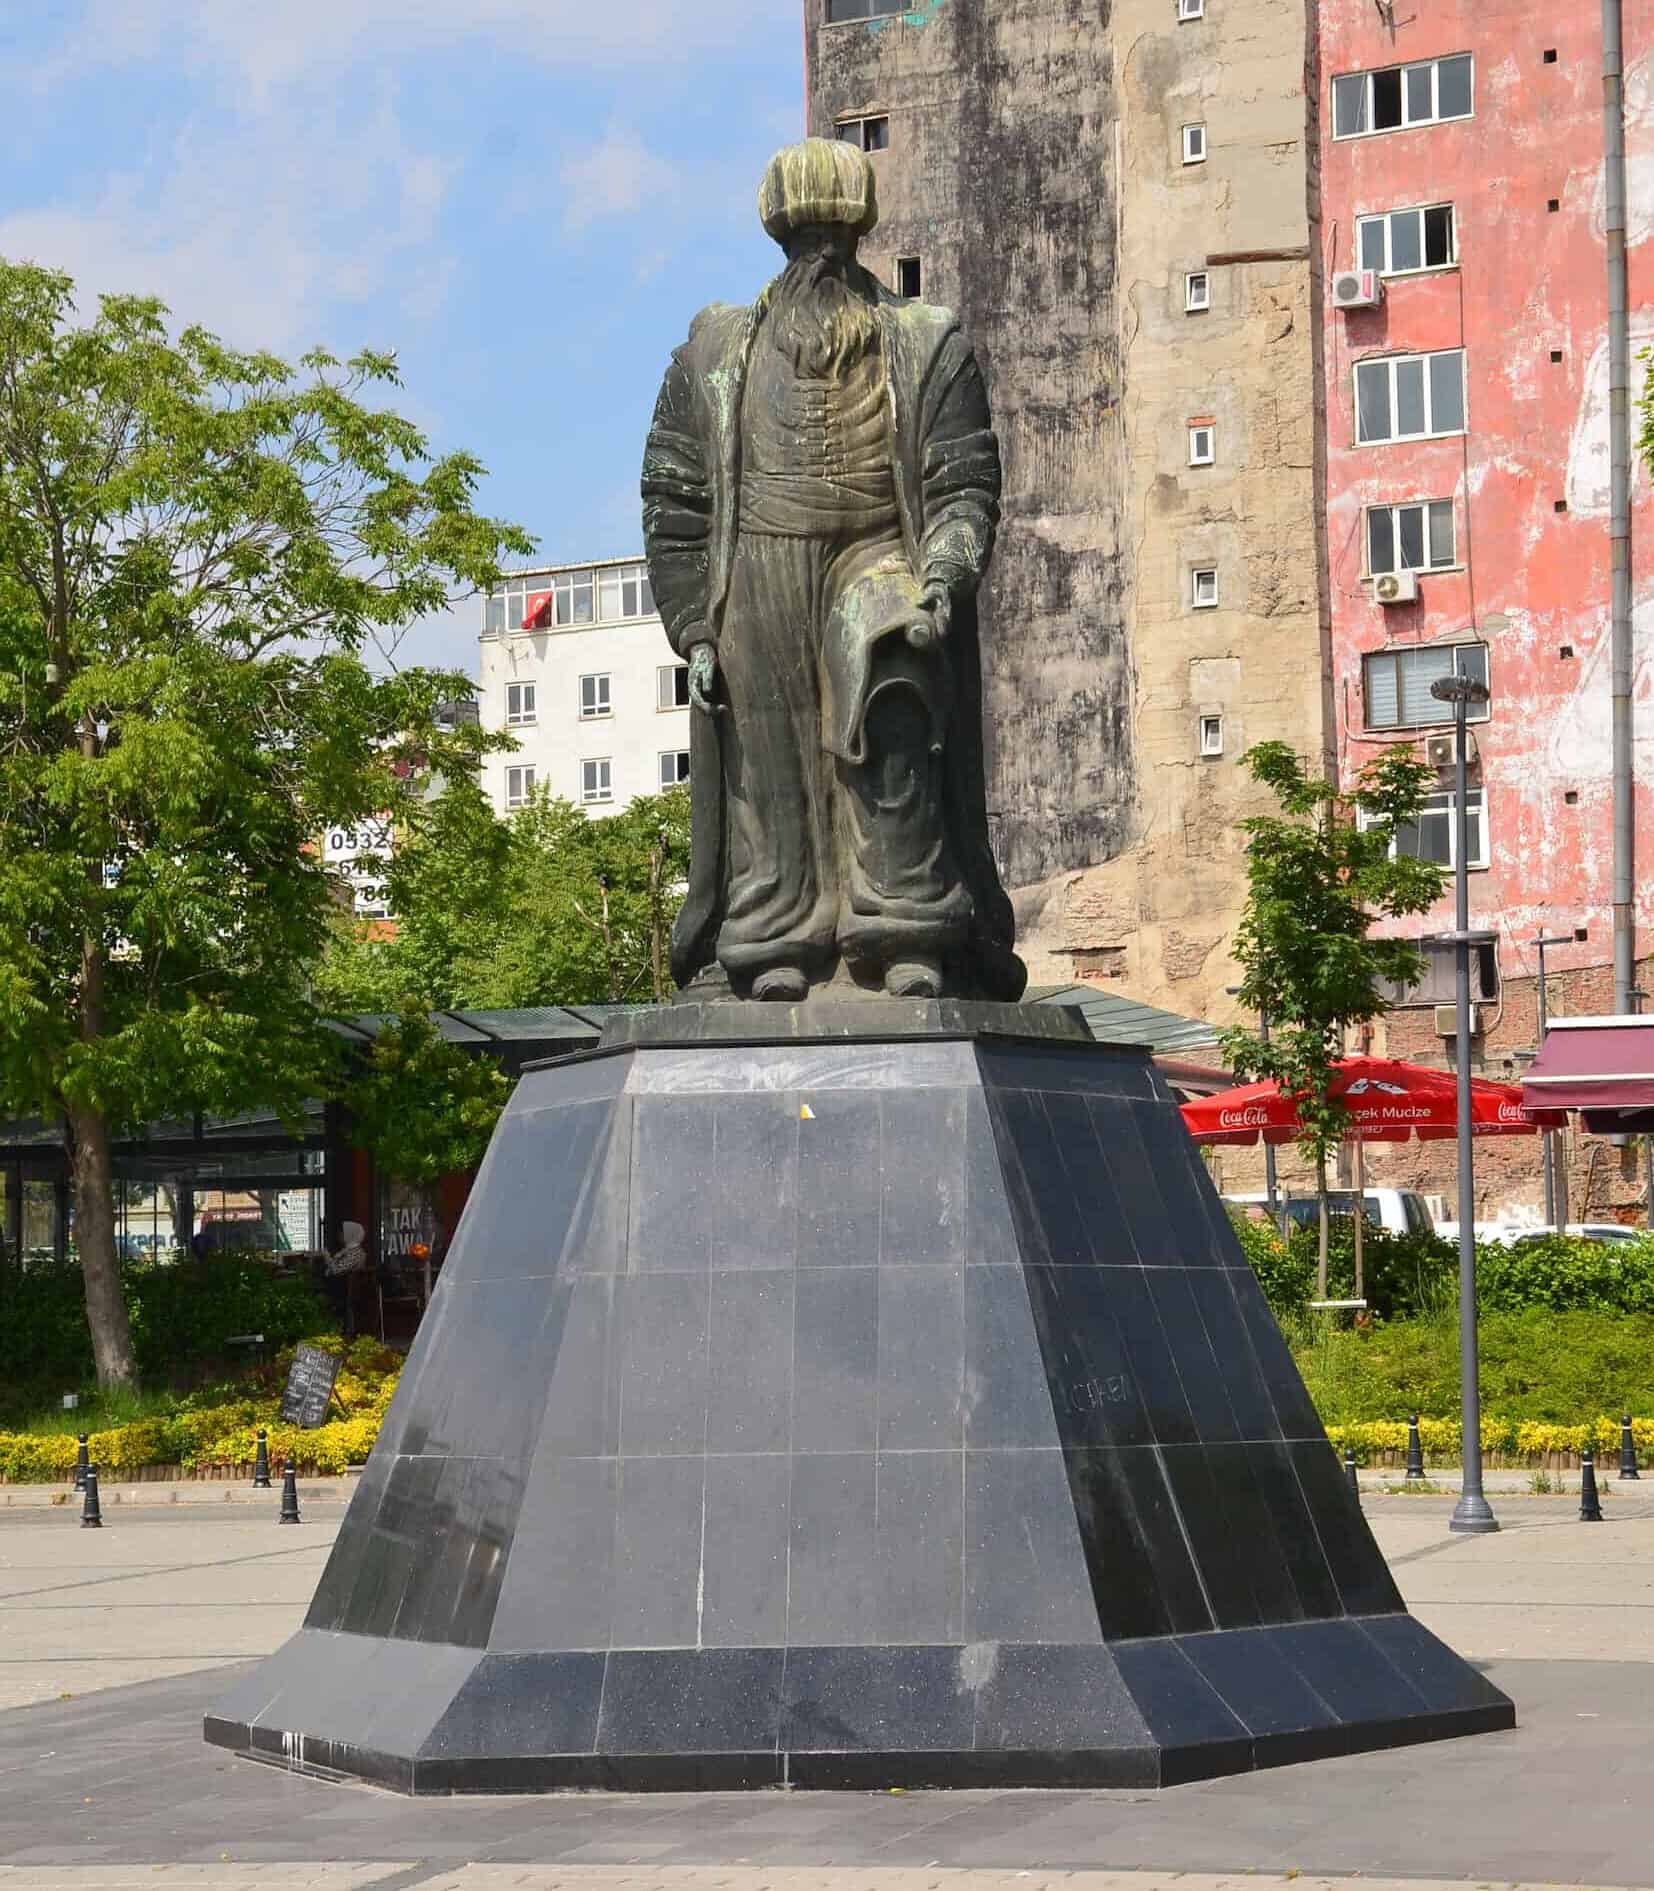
(1320, 875)
(425, 1107)
(551, 907)
(196, 546)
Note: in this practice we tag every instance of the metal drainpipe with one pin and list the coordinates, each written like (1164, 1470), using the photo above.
(1619, 449)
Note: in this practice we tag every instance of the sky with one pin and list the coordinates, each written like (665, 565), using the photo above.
(526, 199)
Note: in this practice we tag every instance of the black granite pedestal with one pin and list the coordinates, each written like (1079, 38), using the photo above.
(865, 1397)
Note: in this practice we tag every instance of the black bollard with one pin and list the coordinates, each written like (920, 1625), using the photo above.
(261, 1462)
(1590, 1510)
(80, 1463)
(1628, 1450)
(1415, 1452)
(289, 1496)
(1350, 1473)
(91, 1511)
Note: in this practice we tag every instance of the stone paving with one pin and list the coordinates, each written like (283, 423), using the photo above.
(112, 1788)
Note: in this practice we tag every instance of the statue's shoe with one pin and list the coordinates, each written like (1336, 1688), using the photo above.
(781, 985)
(914, 978)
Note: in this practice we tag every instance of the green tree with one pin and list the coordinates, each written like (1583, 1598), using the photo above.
(195, 546)
(1320, 874)
(422, 1105)
(550, 907)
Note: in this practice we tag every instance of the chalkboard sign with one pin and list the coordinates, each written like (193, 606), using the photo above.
(309, 1388)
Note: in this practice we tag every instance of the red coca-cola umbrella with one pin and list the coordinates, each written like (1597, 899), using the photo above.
(1386, 1101)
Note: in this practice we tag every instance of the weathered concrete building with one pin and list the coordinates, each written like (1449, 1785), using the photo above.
(1118, 201)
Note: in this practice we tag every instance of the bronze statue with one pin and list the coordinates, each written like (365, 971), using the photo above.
(821, 488)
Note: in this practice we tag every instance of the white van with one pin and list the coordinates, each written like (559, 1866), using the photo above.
(1395, 1210)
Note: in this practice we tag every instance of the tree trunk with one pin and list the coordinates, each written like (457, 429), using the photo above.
(93, 1182)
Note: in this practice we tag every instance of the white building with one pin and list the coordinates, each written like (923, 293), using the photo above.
(575, 665)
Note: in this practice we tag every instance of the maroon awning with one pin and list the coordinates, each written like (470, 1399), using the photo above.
(1593, 1064)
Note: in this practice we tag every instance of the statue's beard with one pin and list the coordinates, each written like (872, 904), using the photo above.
(820, 316)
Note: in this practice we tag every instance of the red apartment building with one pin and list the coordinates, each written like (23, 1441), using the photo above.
(1466, 336)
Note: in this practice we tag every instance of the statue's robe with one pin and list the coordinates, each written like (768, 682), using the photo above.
(798, 852)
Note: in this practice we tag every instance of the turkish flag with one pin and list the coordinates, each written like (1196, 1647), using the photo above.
(536, 605)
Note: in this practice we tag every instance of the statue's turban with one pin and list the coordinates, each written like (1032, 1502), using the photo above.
(822, 180)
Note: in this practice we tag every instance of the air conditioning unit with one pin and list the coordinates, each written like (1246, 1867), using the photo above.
(1438, 751)
(1447, 1020)
(1396, 587)
(1356, 289)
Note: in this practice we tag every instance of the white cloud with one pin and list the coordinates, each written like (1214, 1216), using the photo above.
(255, 231)
(270, 45)
(617, 177)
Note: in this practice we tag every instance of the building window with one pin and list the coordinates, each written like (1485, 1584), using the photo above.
(1403, 242)
(1395, 97)
(519, 787)
(871, 134)
(1203, 587)
(838, 10)
(1436, 984)
(674, 767)
(1410, 538)
(1191, 9)
(1396, 684)
(573, 593)
(1211, 735)
(672, 686)
(623, 591)
(519, 703)
(1194, 144)
(594, 697)
(514, 604)
(1433, 836)
(1197, 291)
(909, 278)
(1202, 444)
(1409, 397)
(596, 782)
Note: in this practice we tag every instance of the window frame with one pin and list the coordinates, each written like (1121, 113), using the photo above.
(1196, 601)
(869, 10)
(860, 121)
(900, 264)
(602, 791)
(1475, 798)
(525, 714)
(1391, 362)
(1192, 305)
(1405, 210)
(1395, 510)
(521, 780)
(1198, 126)
(1369, 73)
(1209, 428)
(1394, 653)
(602, 698)
(1211, 734)
(676, 757)
(673, 670)
(620, 578)
(1190, 10)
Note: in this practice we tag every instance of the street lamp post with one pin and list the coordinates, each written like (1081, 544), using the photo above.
(1472, 1512)
(1556, 1199)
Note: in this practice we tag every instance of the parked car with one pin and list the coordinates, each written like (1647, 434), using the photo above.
(1395, 1210)
(1610, 1233)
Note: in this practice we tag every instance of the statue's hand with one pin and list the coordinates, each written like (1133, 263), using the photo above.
(935, 615)
(703, 674)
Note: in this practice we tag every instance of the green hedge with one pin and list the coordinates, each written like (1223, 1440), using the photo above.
(1552, 1368)
(182, 1315)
